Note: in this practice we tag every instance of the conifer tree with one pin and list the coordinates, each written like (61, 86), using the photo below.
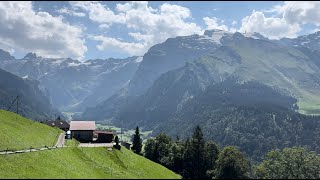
(116, 140)
(136, 142)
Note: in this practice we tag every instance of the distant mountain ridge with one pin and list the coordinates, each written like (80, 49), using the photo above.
(70, 84)
(294, 69)
(32, 102)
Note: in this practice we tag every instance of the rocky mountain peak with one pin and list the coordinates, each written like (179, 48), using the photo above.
(211, 32)
(4, 55)
(30, 55)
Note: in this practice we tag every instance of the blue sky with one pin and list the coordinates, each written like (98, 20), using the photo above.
(102, 29)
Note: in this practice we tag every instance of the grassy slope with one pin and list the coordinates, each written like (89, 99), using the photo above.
(71, 143)
(81, 163)
(70, 162)
(19, 133)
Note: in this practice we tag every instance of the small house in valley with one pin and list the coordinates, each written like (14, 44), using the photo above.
(82, 130)
(59, 124)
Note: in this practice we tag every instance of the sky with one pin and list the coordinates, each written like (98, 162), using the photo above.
(85, 30)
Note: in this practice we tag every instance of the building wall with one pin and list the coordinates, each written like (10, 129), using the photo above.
(82, 136)
(105, 138)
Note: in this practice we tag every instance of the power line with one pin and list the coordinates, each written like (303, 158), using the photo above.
(16, 99)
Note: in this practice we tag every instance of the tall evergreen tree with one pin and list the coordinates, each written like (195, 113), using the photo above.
(198, 154)
(194, 156)
(116, 140)
(187, 172)
(137, 142)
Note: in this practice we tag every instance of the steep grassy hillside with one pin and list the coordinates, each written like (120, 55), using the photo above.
(81, 163)
(17, 132)
(69, 162)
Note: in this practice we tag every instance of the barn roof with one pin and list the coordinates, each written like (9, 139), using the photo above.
(82, 125)
(57, 123)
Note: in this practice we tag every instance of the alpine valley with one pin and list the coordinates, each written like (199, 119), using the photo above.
(242, 89)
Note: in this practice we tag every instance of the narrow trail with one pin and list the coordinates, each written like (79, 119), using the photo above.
(60, 141)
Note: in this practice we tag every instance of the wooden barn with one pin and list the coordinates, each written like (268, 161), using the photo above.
(82, 130)
(58, 123)
(104, 136)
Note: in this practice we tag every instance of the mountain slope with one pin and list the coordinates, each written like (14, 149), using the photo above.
(172, 54)
(310, 41)
(292, 70)
(252, 116)
(32, 102)
(159, 59)
(70, 84)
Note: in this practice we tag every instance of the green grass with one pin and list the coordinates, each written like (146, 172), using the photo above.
(75, 162)
(71, 143)
(68, 162)
(309, 104)
(19, 133)
(309, 108)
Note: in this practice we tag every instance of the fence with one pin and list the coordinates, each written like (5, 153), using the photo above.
(8, 151)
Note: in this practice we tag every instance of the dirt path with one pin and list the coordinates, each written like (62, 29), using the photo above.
(60, 141)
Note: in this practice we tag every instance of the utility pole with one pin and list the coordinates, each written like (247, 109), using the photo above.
(16, 99)
(18, 104)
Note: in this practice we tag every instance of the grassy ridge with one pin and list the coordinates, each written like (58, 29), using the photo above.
(81, 163)
(19, 133)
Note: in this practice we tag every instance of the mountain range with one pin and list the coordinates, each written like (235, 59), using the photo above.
(216, 55)
(241, 88)
(73, 85)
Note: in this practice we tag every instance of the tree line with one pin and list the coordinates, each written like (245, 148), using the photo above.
(196, 158)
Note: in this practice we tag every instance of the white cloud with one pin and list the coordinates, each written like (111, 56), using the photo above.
(287, 20)
(98, 12)
(108, 43)
(234, 23)
(213, 23)
(40, 32)
(146, 25)
(65, 10)
(273, 28)
(104, 26)
(301, 12)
